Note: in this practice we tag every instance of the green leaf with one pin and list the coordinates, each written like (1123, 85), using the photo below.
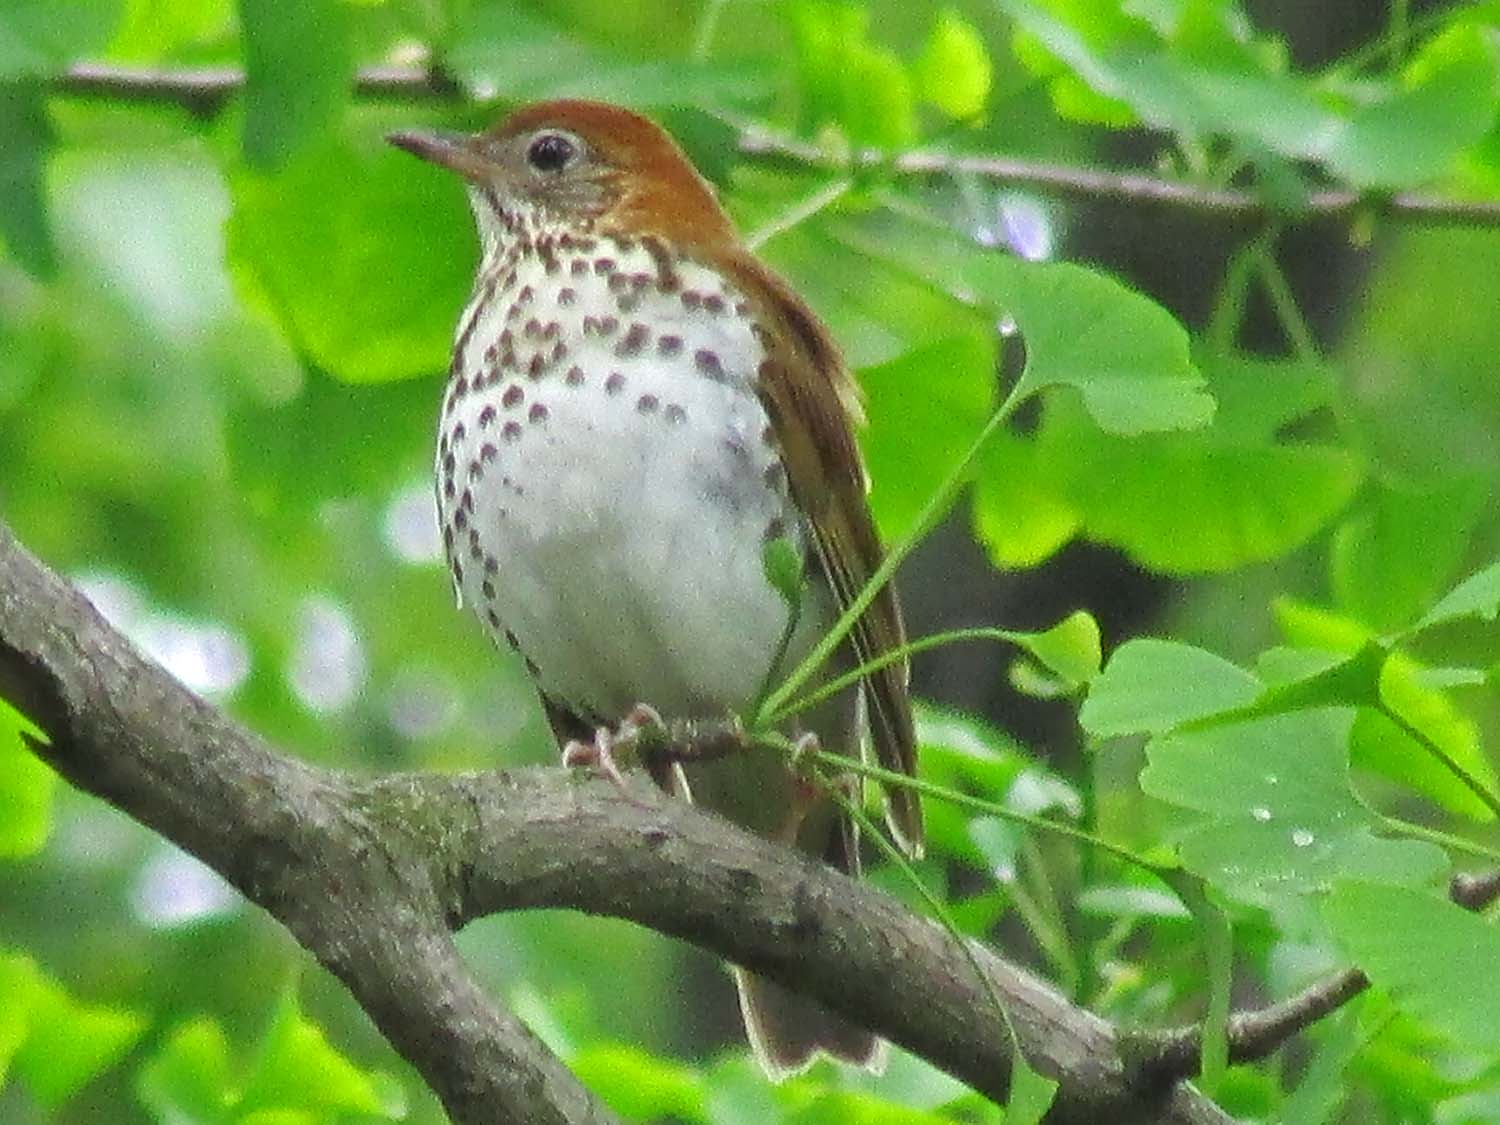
(1020, 512)
(1389, 560)
(923, 410)
(503, 51)
(189, 1077)
(19, 984)
(71, 1042)
(24, 222)
(365, 257)
(1476, 596)
(27, 785)
(1416, 134)
(40, 37)
(783, 567)
(639, 1086)
(1031, 1092)
(1191, 503)
(1070, 650)
(1278, 817)
(1150, 686)
(967, 754)
(1428, 953)
(1342, 662)
(298, 1069)
(845, 79)
(953, 71)
(1125, 354)
(299, 65)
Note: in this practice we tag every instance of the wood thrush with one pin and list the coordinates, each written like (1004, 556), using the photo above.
(636, 406)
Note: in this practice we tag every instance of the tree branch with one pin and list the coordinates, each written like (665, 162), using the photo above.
(205, 91)
(1174, 1054)
(372, 876)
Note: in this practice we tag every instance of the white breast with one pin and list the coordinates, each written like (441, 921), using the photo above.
(607, 483)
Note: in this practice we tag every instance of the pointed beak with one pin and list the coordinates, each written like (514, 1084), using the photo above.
(454, 151)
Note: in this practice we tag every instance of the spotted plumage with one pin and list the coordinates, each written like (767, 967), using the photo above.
(640, 405)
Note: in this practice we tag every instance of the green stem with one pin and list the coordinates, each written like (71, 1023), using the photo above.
(799, 212)
(1229, 309)
(891, 656)
(1054, 936)
(934, 510)
(939, 910)
(1420, 737)
(977, 804)
(1288, 312)
(708, 23)
(1440, 838)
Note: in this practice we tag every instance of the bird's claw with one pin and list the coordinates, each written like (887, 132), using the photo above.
(601, 755)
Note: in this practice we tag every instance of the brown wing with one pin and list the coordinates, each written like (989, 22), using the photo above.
(814, 406)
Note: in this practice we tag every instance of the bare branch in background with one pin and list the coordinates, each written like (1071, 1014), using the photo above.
(205, 90)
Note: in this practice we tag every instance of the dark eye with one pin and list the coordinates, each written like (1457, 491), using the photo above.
(550, 152)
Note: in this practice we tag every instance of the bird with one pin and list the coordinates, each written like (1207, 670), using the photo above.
(637, 408)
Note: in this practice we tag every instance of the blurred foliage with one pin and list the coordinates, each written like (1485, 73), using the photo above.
(221, 338)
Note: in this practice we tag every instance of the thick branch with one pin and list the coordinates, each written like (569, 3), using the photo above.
(372, 876)
(206, 90)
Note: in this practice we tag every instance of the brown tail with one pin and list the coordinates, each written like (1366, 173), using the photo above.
(787, 1032)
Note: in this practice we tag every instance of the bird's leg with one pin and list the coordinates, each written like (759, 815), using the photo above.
(598, 755)
(807, 786)
(641, 723)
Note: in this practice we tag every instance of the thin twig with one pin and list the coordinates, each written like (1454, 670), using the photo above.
(205, 90)
(1171, 1055)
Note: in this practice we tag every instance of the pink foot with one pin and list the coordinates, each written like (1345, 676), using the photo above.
(599, 755)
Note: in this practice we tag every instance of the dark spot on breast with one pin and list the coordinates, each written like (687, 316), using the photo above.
(603, 266)
(566, 296)
(537, 413)
(511, 431)
(460, 520)
(669, 345)
(574, 377)
(537, 365)
(487, 415)
(533, 329)
(637, 336)
(524, 297)
(708, 364)
(512, 396)
(774, 476)
(578, 267)
(614, 384)
(449, 462)
(487, 452)
(494, 620)
(713, 303)
(488, 589)
(675, 414)
(491, 564)
(691, 298)
(647, 404)
(460, 432)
